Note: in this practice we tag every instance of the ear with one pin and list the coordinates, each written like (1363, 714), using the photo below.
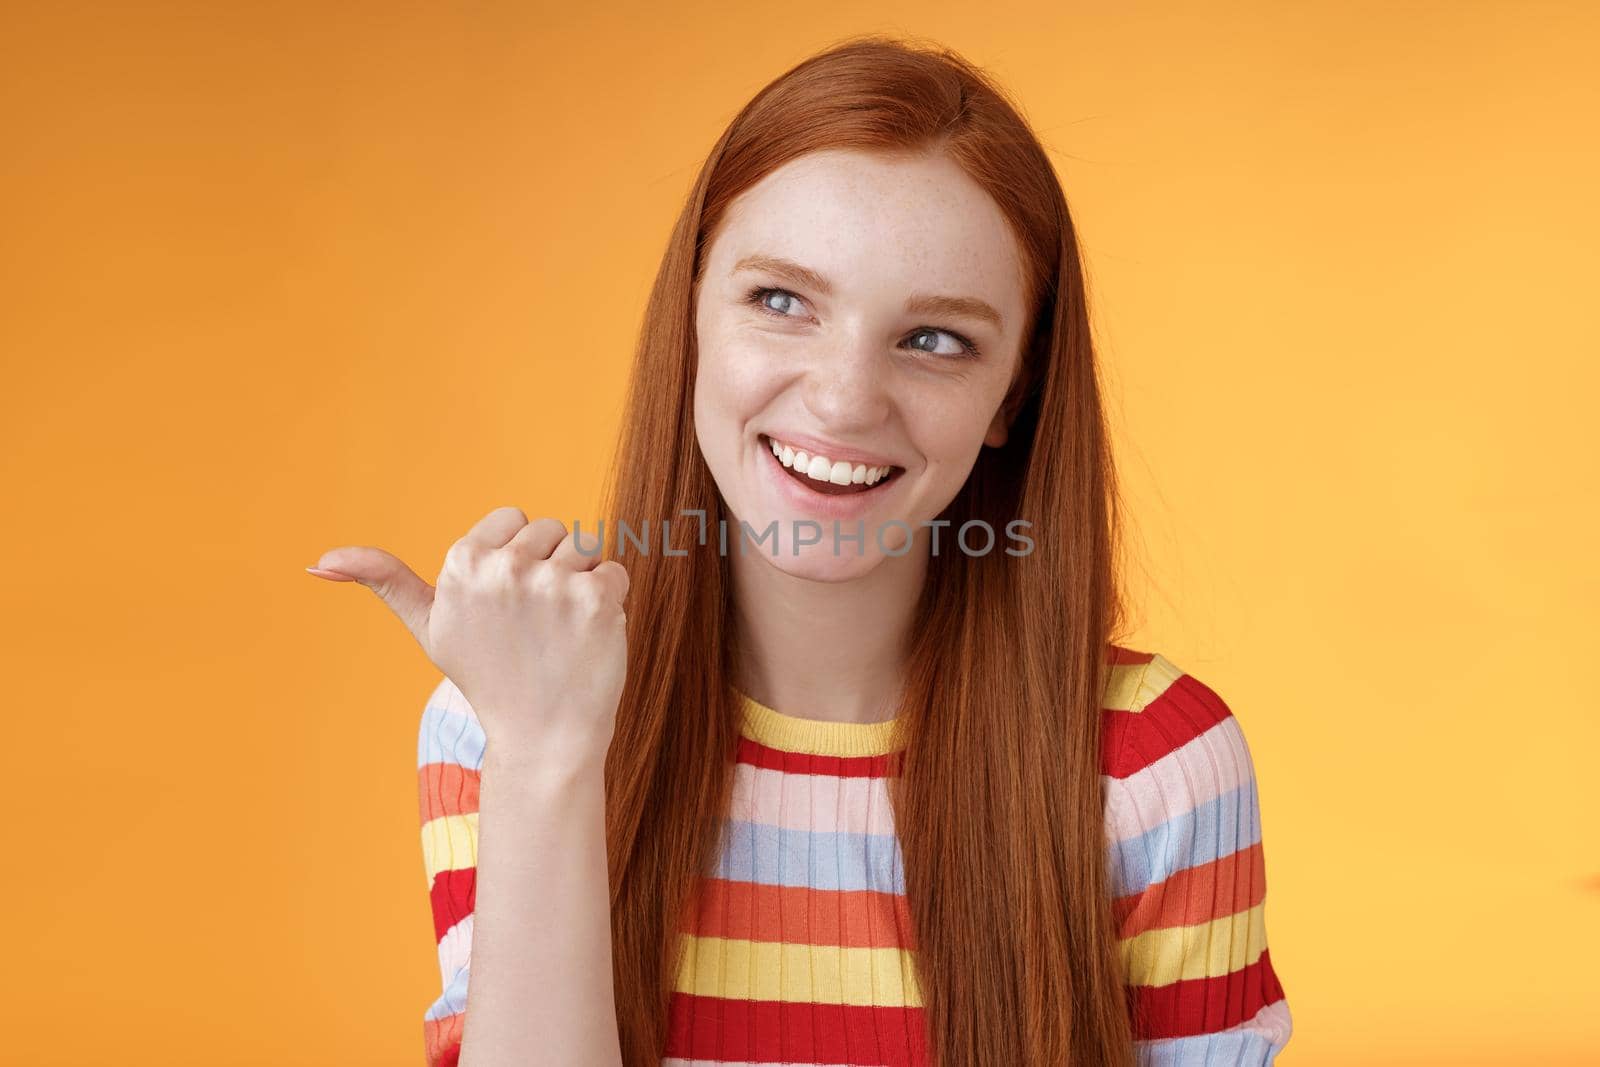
(997, 429)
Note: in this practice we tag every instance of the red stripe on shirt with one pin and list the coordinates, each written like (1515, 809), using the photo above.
(1226, 886)
(446, 789)
(451, 898)
(801, 915)
(717, 1028)
(1193, 1006)
(773, 759)
(1135, 739)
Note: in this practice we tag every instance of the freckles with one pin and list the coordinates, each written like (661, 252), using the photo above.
(759, 363)
(944, 432)
(742, 377)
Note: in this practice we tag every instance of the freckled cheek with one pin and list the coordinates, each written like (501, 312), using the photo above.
(746, 376)
(947, 436)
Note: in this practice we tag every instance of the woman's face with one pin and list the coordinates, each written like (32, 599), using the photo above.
(863, 312)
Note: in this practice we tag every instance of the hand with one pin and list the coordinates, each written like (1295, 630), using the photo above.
(531, 630)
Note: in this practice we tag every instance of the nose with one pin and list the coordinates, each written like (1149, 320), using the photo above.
(847, 390)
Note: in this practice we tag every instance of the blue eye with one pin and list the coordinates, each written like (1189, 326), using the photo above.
(758, 298)
(968, 349)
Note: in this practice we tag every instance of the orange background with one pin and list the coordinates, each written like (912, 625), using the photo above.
(281, 277)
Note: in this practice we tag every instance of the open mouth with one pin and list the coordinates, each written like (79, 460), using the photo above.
(827, 477)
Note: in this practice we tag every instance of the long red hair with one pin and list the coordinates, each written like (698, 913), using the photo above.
(1003, 686)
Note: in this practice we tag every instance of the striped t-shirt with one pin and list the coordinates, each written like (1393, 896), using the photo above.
(799, 947)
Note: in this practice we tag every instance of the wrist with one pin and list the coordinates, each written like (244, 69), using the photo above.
(558, 760)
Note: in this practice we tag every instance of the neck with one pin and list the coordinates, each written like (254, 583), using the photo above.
(831, 651)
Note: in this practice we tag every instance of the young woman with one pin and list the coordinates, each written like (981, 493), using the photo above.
(850, 780)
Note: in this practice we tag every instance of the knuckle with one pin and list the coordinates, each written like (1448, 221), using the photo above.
(519, 559)
(592, 610)
(542, 577)
(459, 555)
(552, 526)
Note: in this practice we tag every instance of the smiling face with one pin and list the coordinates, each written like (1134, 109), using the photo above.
(862, 311)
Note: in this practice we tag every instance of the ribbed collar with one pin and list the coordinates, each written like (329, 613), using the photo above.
(817, 737)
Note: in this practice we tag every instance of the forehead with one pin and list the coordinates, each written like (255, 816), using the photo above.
(899, 221)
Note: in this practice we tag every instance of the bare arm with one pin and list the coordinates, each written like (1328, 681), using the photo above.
(541, 989)
(530, 628)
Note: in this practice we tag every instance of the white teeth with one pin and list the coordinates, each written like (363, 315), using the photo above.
(823, 469)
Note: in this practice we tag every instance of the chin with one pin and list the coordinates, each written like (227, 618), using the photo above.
(817, 563)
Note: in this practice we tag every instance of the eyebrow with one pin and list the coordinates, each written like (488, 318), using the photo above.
(921, 303)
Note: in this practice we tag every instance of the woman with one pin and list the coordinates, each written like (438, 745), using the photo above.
(837, 786)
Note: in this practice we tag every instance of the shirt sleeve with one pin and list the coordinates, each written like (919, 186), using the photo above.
(450, 745)
(1189, 881)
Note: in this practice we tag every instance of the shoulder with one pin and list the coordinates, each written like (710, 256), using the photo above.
(1187, 871)
(1152, 708)
(1178, 779)
(449, 731)
(450, 748)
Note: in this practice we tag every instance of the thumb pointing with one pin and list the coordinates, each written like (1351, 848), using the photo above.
(396, 584)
